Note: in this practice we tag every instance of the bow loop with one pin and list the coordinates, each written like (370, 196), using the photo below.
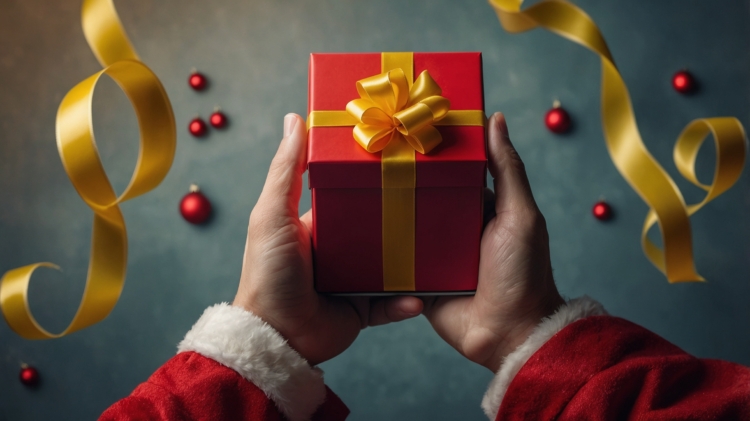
(424, 140)
(388, 106)
(425, 86)
(368, 112)
(372, 138)
(388, 91)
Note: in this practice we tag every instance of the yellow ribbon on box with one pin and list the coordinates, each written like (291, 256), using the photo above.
(626, 148)
(77, 148)
(396, 115)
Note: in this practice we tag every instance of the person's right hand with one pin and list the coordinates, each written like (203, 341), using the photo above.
(276, 283)
(516, 290)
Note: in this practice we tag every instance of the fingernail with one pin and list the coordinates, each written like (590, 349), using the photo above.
(290, 120)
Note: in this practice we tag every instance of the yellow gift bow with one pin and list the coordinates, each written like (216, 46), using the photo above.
(77, 148)
(626, 148)
(396, 116)
(388, 110)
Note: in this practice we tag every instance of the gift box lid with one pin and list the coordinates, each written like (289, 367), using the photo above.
(336, 160)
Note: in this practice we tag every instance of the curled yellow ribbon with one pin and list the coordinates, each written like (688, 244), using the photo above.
(388, 107)
(77, 148)
(626, 148)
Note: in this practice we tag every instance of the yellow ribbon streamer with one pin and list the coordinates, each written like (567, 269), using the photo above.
(396, 116)
(626, 148)
(77, 148)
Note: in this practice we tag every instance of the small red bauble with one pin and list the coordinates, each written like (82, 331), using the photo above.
(218, 119)
(197, 127)
(29, 376)
(557, 119)
(683, 82)
(197, 81)
(602, 210)
(195, 207)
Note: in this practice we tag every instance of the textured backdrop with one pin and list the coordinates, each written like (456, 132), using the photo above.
(255, 54)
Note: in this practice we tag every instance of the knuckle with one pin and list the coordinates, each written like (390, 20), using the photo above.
(511, 159)
(278, 164)
(540, 222)
(258, 221)
(532, 222)
(256, 218)
(514, 159)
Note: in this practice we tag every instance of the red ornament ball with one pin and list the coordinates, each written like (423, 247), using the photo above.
(197, 127)
(197, 81)
(29, 376)
(195, 207)
(218, 119)
(557, 119)
(602, 210)
(683, 82)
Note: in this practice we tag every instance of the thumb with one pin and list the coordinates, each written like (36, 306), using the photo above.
(283, 188)
(512, 189)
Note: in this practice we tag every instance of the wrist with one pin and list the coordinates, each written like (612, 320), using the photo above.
(296, 336)
(520, 331)
(249, 300)
(242, 341)
(242, 302)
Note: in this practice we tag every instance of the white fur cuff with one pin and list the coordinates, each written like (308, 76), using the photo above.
(243, 342)
(574, 310)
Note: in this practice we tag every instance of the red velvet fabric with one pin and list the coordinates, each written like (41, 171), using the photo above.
(598, 368)
(606, 368)
(195, 388)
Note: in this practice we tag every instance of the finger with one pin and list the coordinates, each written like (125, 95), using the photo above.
(393, 309)
(512, 189)
(307, 220)
(360, 305)
(281, 193)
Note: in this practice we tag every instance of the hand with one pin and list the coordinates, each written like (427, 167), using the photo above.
(516, 290)
(277, 271)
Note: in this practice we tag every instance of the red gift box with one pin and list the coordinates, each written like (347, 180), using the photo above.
(347, 190)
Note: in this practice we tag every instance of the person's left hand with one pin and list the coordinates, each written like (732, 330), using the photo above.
(277, 272)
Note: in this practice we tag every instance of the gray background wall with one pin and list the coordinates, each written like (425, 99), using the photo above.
(255, 53)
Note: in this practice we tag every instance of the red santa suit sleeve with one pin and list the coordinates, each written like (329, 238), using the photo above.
(232, 366)
(582, 364)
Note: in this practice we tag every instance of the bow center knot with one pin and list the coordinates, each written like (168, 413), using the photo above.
(388, 110)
